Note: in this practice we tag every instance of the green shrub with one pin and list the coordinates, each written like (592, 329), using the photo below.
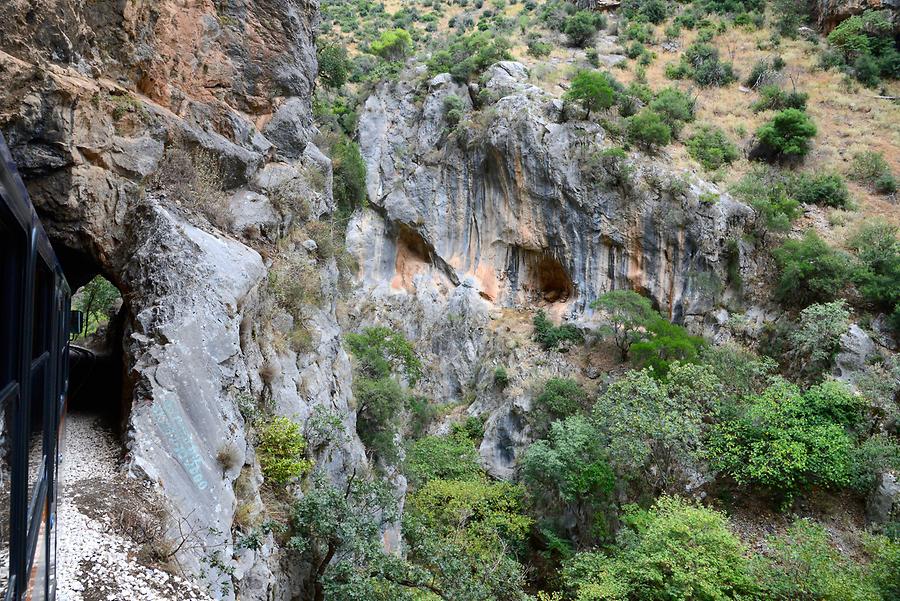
(348, 176)
(876, 455)
(877, 273)
(709, 146)
(334, 65)
(675, 107)
(773, 98)
(811, 271)
(826, 189)
(701, 62)
(454, 110)
(871, 169)
(581, 27)
(282, 451)
(778, 443)
(393, 45)
(381, 351)
(767, 191)
(662, 343)
(560, 398)
(501, 378)
(815, 340)
(552, 337)
(648, 130)
(539, 48)
(786, 137)
(866, 42)
(803, 564)
(676, 550)
(451, 457)
(592, 90)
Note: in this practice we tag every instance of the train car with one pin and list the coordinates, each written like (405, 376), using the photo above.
(35, 322)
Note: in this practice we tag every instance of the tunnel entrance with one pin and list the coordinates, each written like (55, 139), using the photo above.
(96, 376)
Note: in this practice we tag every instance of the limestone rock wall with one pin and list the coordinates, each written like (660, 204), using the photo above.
(106, 105)
(830, 13)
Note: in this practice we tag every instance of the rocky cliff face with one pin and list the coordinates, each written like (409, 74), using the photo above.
(153, 137)
(831, 12)
(518, 206)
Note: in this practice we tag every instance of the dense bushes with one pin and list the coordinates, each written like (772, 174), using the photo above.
(676, 550)
(648, 130)
(560, 398)
(784, 441)
(701, 63)
(786, 137)
(451, 457)
(282, 451)
(709, 146)
(467, 56)
(552, 337)
(877, 271)
(773, 98)
(581, 27)
(348, 176)
(334, 65)
(811, 271)
(827, 189)
(866, 47)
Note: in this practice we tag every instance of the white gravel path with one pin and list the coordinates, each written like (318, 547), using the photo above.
(96, 563)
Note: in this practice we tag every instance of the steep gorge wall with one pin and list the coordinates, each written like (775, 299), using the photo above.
(106, 104)
(521, 208)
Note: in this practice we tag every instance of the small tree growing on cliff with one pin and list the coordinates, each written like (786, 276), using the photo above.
(627, 312)
(393, 45)
(592, 90)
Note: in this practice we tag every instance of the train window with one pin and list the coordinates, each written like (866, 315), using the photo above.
(40, 382)
(12, 244)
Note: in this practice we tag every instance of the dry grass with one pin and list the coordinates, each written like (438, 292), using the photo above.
(849, 120)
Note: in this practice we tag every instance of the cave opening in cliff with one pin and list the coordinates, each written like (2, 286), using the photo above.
(413, 257)
(547, 279)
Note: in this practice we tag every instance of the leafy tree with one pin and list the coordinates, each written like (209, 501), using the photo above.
(393, 45)
(780, 444)
(789, 16)
(379, 403)
(786, 137)
(380, 351)
(552, 337)
(627, 313)
(337, 531)
(591, 89)
(654, 430)
(581, 27)
(96, 300)
(740, 371)
(876, 455)
(648, 130)
(561, 397)
(711, 148)
(811, 271)
(569, 474)
(664, 342)
(282, 451)
(451, 457)
(804, 565)
(817, 338)
(334, 65)
(675, 551)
